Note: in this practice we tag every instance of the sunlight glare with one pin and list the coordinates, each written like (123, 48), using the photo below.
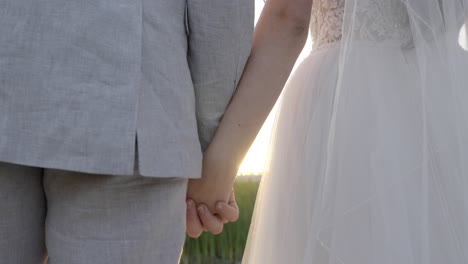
(255, 159)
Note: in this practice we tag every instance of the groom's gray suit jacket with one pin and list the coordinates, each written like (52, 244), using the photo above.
(81, 80)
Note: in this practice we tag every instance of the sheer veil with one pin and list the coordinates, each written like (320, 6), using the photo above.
(391, 183)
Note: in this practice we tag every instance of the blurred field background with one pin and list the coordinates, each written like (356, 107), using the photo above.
(228, 247)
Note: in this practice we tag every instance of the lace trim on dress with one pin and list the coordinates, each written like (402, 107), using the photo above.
(376, 21)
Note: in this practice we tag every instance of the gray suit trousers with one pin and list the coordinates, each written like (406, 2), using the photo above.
(78, 218)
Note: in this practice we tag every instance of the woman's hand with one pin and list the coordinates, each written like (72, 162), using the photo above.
(210, 200)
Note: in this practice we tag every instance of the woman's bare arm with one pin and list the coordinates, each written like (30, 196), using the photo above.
(279, 38)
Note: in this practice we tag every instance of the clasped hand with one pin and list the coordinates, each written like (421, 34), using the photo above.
(211, 201)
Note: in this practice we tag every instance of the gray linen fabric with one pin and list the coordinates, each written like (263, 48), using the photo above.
(22, 214)
(80, 80)
(88, 218)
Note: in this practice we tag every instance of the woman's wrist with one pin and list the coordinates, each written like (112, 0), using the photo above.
(220, 164)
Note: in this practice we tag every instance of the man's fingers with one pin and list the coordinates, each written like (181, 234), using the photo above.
(212, 223)
(194, 226)
(228, 212)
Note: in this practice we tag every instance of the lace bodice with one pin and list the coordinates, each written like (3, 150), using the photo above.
(375, 21)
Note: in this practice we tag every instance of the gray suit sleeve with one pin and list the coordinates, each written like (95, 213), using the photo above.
(219, 42)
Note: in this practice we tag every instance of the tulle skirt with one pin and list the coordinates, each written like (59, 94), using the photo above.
(379, 178)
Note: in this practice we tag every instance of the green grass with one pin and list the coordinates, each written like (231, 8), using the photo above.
(228, 247)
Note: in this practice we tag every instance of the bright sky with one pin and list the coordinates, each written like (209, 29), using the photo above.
(255, 159)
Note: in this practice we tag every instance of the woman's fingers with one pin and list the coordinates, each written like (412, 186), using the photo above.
(213, 223)
(194, 225)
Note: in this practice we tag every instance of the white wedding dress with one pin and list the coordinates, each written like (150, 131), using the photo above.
(368, 163)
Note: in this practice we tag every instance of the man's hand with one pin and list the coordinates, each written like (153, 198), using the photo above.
(200, 219)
